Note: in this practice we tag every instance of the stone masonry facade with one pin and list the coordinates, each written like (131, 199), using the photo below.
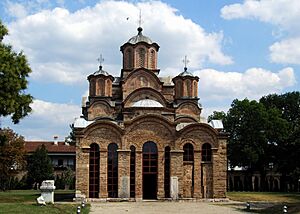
(141, 135)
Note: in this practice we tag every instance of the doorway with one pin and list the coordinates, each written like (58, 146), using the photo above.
(149, 170)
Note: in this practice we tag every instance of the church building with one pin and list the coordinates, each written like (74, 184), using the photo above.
(141, 137)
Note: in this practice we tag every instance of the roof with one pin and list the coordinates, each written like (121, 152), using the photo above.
(147, 103)
(217, 124)
(185, 73)
(31, 146)
(100, 71)
(81, 123)
(139, 38)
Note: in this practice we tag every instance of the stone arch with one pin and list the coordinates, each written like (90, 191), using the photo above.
(100, 109)
(185, 119)
(132, 81)
(144, 93)
(149, 128)
(201, 132)
(104, 133)
(188, 108)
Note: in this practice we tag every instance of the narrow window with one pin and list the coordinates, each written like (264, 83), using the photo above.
(142, 55)
(167, 172)
(112, 171)
(188, 154)
(152, 59)
(188, 88)
(206, 152)
(94, 171)
(132, 171)
(129, 58)
(101, 87)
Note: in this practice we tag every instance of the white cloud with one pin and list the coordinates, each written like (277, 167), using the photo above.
(62, 46)
(253, 83)
(285, 14)
(286, 51)
(16, 10)
(46, 120)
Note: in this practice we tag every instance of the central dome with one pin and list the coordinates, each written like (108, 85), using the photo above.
(147, 103)
(139, 38)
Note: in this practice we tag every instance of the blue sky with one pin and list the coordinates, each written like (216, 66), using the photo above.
(238, 49)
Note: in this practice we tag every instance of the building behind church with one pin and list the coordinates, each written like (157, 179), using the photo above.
(141, 137)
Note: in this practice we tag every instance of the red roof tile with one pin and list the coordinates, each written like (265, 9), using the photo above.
(31, 146)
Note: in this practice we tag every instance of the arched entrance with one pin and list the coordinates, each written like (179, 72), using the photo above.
(94, 165)
(149, 170)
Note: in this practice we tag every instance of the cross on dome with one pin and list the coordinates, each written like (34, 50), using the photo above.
(100, 60)
(185, 61)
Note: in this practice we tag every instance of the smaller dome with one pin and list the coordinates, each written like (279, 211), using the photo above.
(185, 73)
(139, 38)
(100, 71)
(147, 103)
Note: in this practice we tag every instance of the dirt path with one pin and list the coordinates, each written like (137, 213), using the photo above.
(161, 208)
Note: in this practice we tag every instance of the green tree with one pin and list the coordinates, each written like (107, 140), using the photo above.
(14, 69)
(39, 166)
(254, 134)
(287, 149)
(71, 138)
(217, 115)
(12, 156)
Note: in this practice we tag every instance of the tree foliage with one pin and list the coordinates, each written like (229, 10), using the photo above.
(12, 156)
(14, 69)
(217, 115)
(39, 166)
(264, 132)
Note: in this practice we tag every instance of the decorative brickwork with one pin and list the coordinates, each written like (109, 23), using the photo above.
(138, 108)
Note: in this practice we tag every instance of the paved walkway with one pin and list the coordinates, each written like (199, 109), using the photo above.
(162, 208)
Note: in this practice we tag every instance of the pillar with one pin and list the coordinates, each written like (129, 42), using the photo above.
(103, 174)
(124, 173)
(176, 173)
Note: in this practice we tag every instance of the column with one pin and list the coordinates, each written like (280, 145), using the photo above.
(197, 174)
(103, 174)
(82, 171)
(160, 175)
(176, 173)
(124, 173)
(139, 175)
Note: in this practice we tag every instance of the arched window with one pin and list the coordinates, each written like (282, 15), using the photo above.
(179, 89)
(112, 171)
(94, 165)
(188, 152)
(206, 152)
(129, 58)
(195, 89)
(101, 87)
(150, 165)
(188, 88)
(92, 87)
(142, 55)
(167, 172)
(152, 59)
(132, 171)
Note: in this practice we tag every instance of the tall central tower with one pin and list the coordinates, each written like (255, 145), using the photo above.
(139, 52)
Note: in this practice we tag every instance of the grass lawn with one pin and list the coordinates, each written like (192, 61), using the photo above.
(266, 202)
(24, 201)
